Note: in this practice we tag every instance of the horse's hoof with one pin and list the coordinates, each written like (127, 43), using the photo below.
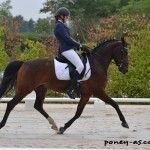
(61, 130)
(54, 128)
(125, 125)
(1, 125)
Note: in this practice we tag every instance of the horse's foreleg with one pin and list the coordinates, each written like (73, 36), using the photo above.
(10, 105)
(79, 111)
(104, 97)
(40, 96)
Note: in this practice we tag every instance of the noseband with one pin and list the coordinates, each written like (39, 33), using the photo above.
(123, 61)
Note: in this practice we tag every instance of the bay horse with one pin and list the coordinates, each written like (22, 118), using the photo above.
(39, 75)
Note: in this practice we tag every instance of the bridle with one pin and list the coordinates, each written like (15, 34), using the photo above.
(123, 61)
(120, 63)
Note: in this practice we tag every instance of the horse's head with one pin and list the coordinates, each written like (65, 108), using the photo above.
(120, 56)
(112, 49)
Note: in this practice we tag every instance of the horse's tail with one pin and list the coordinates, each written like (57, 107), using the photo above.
(9, 78)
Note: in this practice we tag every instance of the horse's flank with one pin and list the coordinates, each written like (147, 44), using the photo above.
(44, 74)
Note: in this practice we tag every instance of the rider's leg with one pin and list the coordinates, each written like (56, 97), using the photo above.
(72, 56)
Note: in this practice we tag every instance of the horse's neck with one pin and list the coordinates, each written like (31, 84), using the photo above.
(103, 57)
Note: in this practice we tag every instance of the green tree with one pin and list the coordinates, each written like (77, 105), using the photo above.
(82, 8)
(31, 25)
(5, 8)
(43, 26)
(24, 26)
(51, 6)
(124, 2)
(3, 55)
(136, 7)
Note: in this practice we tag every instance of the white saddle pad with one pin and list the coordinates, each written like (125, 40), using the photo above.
(62, 71)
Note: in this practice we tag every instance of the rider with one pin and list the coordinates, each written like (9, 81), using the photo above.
(67, 47)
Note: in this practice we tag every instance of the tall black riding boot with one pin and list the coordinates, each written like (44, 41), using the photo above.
(72, 84)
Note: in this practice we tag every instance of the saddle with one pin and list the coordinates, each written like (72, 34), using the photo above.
(70, 66)
(64, 70)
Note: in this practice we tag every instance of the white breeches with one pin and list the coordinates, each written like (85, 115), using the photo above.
(73, 57)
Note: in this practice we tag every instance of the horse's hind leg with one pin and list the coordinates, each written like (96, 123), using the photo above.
(10, 105)
(103, 96)
(40, 96)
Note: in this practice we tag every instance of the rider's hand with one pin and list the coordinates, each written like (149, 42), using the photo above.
(85, 49)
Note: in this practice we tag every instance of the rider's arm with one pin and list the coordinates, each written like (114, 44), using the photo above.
(64, 35)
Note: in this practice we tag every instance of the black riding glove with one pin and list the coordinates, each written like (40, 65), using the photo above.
(85, 49)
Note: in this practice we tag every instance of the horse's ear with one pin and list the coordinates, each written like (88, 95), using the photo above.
(123, 40)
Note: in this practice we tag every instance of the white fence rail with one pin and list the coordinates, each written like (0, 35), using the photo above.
(139, 100)
(98, 104)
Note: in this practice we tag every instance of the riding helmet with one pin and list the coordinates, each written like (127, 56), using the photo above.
(63, 11)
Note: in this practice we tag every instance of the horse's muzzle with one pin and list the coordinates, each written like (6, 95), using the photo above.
(122, 70)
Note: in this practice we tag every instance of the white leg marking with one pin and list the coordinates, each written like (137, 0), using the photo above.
(52, 122)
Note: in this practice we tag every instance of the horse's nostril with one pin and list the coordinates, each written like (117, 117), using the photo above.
(125, 71)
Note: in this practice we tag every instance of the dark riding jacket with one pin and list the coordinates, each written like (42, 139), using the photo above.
(62, 33)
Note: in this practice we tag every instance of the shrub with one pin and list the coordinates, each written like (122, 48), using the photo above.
(33, 50)
(136, 83)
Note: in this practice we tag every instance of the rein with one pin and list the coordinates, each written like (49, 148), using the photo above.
(105, 60)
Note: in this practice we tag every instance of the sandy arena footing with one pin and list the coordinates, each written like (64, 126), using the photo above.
(93, 130)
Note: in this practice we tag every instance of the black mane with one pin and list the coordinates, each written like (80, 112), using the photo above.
(104, 43)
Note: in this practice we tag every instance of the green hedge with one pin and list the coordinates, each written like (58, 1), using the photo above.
(136, 83)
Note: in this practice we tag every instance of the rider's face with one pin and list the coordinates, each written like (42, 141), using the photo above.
(64, 18)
